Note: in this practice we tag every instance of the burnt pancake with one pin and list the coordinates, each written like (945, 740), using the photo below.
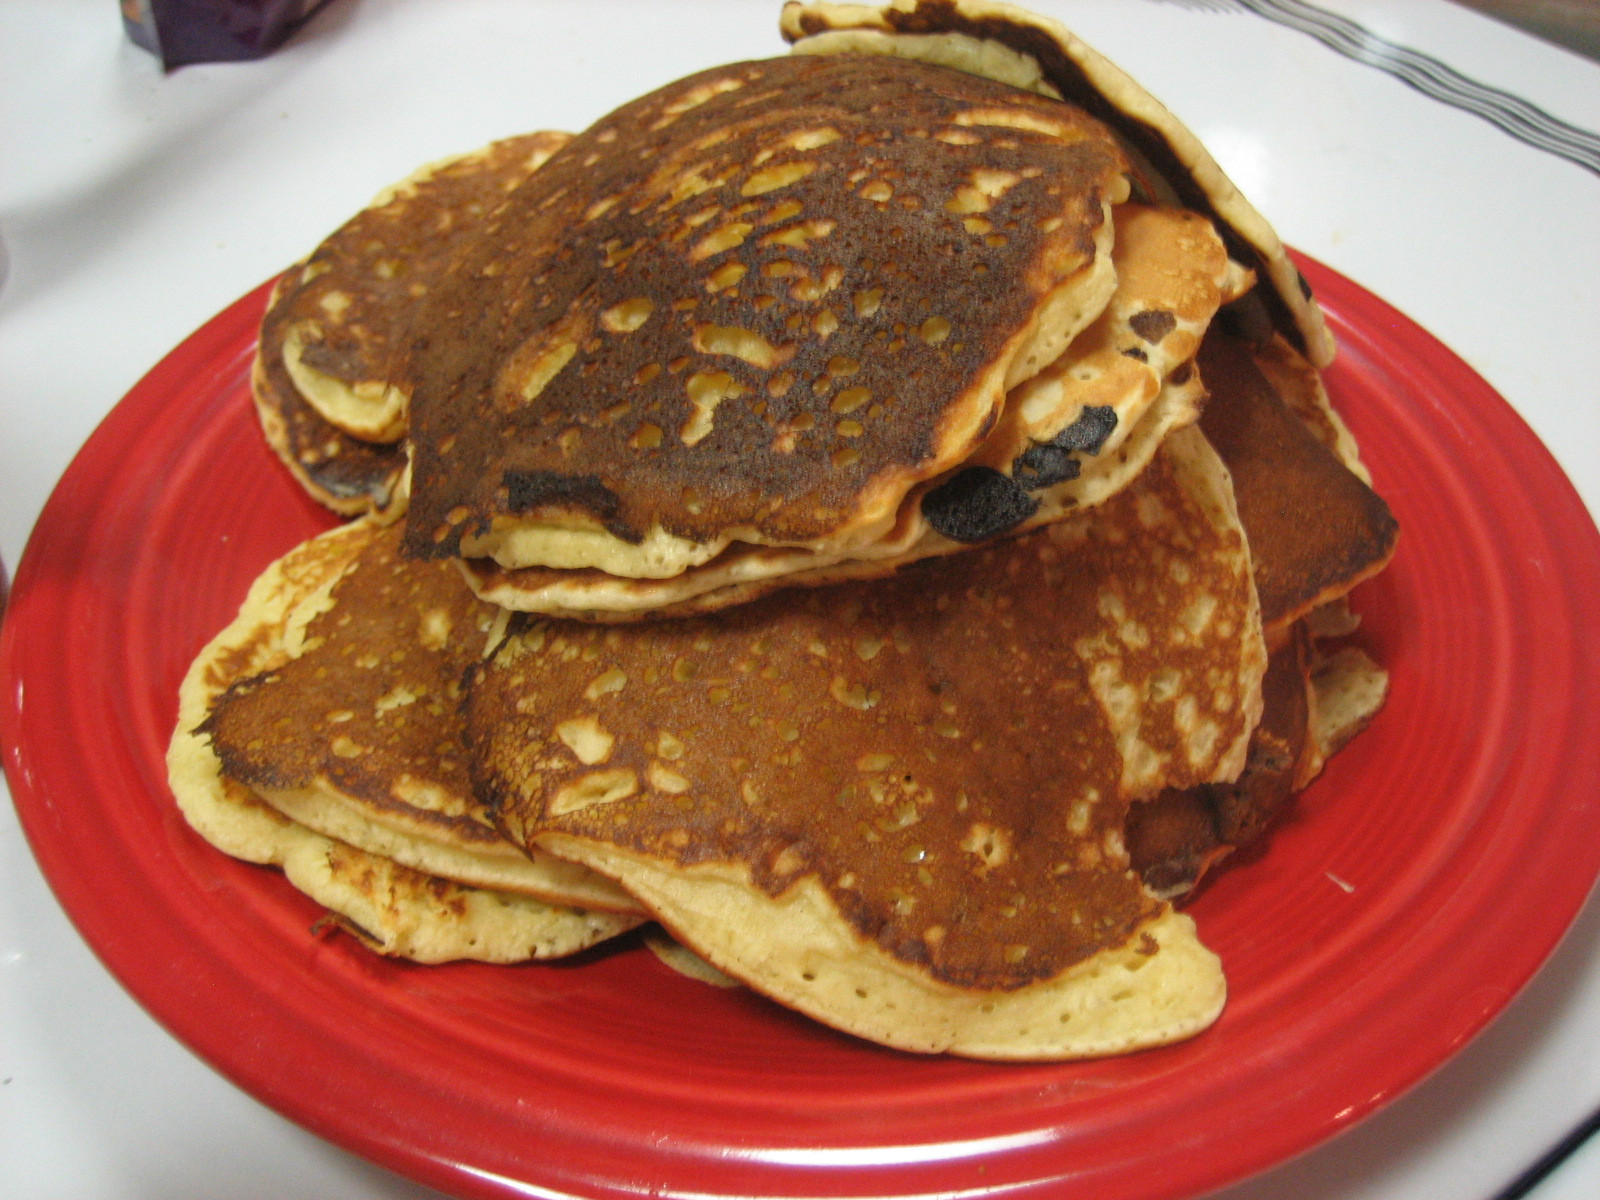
(1316, 529)
(341, 472)
(1066, 440)
(325, 377)
(354, 730)
(391, 908)
(337, 319)
(1001, 41)
(760, 304)
(743, 573)
(898, 806)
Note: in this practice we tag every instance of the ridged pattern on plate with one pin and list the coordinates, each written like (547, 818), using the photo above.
(1461, 824)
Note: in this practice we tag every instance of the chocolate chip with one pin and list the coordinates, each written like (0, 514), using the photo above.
(1043, 465)
(1135, 352)
(1089, 431)
(976, 504)
(1153, 325)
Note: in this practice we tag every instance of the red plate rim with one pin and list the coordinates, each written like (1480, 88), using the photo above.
(1481, 856)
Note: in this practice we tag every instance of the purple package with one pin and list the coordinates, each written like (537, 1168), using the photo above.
(192, 31)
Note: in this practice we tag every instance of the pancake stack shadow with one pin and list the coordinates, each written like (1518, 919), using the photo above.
(873, 512)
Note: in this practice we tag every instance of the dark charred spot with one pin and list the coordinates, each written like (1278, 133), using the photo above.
(976, 504)
(1182, 372)
(1043, 466)
(1153, 325)
(1135, 353)
(1089, 431)
(1305, 285)
(1049, 463)
(525, 490)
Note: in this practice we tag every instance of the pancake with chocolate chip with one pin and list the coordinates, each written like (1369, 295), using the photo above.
(326, 377)
(898, 806)
(1066, 440)
(761, 305)
(1033, 52)
(390, 907)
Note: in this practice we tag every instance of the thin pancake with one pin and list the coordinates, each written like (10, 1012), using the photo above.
(1067, 440)
(1178, 836)
(1317, 530)
(820, 794)
(762, 303)
(1028, 50)
(743, 573)
(391, 908)
(341, 472)
(1172, 275)
(336, 321)
(353, 730)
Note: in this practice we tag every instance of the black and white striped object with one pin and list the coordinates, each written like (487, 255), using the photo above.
(1526, 122)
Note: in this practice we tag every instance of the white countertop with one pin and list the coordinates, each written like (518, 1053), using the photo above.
(134, 206)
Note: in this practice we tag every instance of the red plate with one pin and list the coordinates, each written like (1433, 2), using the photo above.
(1421, 882)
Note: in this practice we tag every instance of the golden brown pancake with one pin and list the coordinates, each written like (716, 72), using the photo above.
(914, 788)
(354, 731)
(1315, 528)
(391, 908)
(1005, 42)
(760, 304)
(1179, 835)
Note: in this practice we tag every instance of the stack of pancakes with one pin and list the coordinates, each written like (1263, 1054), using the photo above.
(873, 512)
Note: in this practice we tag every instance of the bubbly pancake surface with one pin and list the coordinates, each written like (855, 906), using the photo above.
(1004, 41)
(948, 755)
(762, 302)
(355, 730)
(1067, 439)
(391, 908)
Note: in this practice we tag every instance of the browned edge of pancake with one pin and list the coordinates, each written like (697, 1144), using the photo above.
(1180, 835)
(1083, 76)
(1315, 528)
(880, 361)
(341, 472)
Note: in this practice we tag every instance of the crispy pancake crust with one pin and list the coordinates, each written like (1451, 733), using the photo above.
(762, 302)
(852, 735)
(744, 573)
(391, 908)
(1316, 529)
(1130, 374)
(354, 729)
(975, 35)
